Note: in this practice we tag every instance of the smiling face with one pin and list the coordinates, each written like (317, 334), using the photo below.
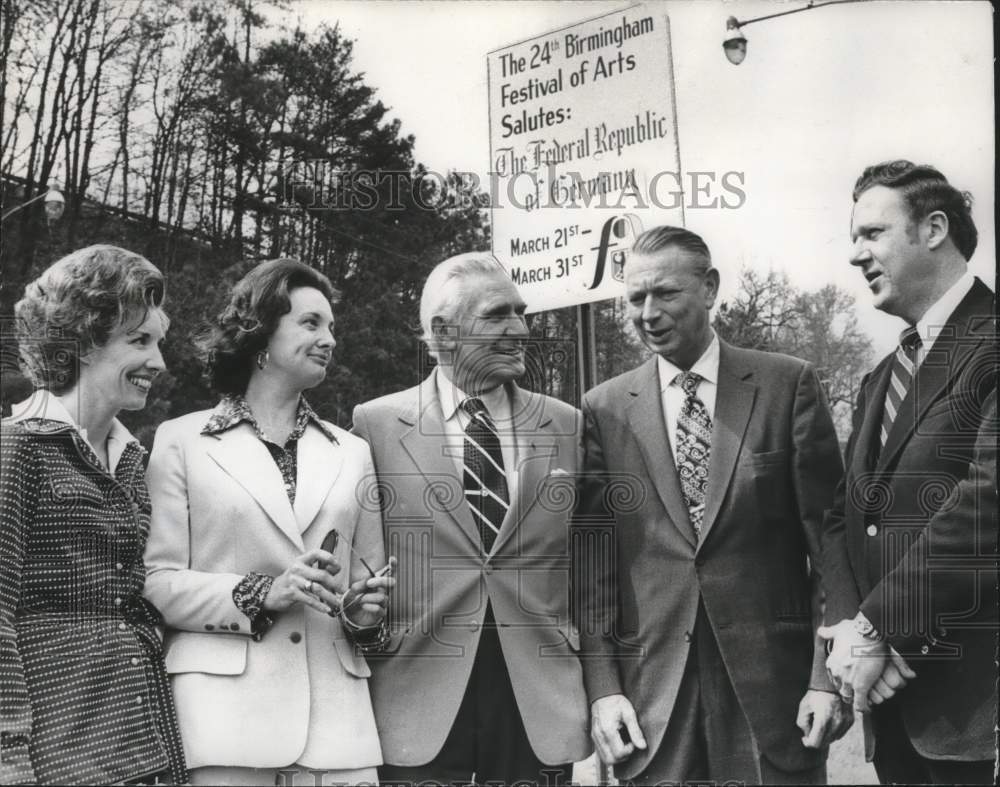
(669, 299)
(121, 372)
(892, 253)
(487, 338)
(301, 347)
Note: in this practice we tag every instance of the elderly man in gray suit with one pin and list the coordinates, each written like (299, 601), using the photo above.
(482, 682)
(706, 474)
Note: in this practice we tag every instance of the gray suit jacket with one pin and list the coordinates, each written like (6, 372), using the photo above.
(774, 465)
(445, 581)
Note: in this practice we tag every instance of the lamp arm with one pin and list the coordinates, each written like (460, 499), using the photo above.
(23, 205)
(795, 11)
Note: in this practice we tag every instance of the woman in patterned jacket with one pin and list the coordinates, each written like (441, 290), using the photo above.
(85, 698)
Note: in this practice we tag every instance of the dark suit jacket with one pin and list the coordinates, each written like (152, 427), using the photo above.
(912, 537)
(445, 582)
(774, 465)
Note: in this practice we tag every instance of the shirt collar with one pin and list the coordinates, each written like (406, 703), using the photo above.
(707, 366)
(451, 397)
(233, 409)
(44, 405)
(929, 326)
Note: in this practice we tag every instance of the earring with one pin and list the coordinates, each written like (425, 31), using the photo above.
(262, 358)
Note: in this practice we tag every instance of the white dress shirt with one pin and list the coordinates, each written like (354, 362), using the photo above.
(456, 420)
(45, 404)
(672, 395)
(930, 325)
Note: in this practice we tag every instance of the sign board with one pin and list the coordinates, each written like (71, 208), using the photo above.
(584, 153)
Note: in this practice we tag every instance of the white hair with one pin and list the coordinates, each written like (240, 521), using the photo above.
(444, 295)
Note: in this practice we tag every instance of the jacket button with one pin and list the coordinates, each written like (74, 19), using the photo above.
(871, 530)
(924, 650)
(134, 661)
(474, 626)
(687, 636)
(295, 637)
(122, 626)
(138, 700)
(118, 602)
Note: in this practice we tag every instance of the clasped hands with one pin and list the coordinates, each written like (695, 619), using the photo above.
(310, 580)
(865, 672)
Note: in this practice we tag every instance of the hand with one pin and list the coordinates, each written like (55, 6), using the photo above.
(366, 600)
(304, 583)
(607, 716)
(894, 677)
(823, 718)
(855, 663)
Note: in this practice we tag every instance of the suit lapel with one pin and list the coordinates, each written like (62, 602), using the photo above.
(531, 424)
(734, 401)
(424, 442)
(244, 457)
(871, 427)
(319, 463)
(950, 351)
(645, 414)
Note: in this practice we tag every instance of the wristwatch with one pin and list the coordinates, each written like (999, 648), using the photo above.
(865, 628)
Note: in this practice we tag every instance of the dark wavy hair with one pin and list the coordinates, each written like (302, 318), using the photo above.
(924, 191)
(74, 306)
(245, 325)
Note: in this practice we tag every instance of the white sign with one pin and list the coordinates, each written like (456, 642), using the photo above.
(584, 153)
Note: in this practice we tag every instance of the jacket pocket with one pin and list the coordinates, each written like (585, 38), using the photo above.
(354, 663)
(762, 458)
(215, 654)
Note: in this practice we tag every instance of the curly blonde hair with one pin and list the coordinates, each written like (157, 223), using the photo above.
(74, 306)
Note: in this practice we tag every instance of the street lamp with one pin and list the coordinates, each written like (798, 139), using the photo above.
(735, 43)
(55, 203)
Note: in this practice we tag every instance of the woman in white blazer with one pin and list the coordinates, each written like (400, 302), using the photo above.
(264, 627)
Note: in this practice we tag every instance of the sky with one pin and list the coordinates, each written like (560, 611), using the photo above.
(821, 95)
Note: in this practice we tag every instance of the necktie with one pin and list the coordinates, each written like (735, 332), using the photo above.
(904, 364)
(694, 443)
(485, 479)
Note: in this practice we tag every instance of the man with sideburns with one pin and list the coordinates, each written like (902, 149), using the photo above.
(911, 541)
(697, 544)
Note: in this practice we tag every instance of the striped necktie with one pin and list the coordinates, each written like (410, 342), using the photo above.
(694, 446)
(904, 364)
(485, 480)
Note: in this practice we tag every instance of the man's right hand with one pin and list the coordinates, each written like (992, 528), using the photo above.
(608, 715)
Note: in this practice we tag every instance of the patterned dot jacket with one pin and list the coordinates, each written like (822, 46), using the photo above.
(85, 698)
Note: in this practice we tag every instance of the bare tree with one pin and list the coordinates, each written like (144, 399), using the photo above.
(769, 313)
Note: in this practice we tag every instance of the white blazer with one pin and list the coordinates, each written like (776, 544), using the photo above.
(220, 511)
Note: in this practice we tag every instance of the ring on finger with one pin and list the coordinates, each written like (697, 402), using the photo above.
(312, 588)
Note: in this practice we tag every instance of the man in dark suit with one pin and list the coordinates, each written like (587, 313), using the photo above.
(910, 545)
(697, 536)
(482, 682)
